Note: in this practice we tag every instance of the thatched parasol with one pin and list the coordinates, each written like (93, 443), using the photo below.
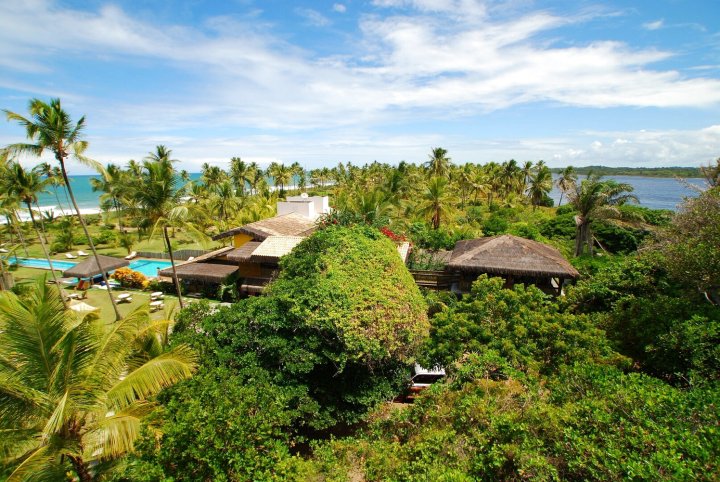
(89, 268)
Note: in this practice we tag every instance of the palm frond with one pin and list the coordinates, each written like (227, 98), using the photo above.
(116, 344)
(153, 376)
(23, 148)
(116, 434)
(58, 417)
(16, 442)
(34, 463)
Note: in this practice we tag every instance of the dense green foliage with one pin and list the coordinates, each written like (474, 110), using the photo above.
(692, 244)
(524, 325)
(490, 422)
(670, 332)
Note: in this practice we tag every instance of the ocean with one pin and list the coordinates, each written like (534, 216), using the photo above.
(653, 192)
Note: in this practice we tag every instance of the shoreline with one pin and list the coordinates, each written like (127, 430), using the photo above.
(24, 216)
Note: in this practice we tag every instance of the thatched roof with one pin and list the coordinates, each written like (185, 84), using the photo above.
(206, 272)
(243, 253)
(89, 267)
(510, 255)
(291, 224)
(275, 247)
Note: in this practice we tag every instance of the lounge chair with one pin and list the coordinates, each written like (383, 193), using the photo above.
(82, 253)
(70, 256)
(71, 296)
(132, 255)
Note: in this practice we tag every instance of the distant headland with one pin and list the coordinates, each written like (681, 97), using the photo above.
(674, 171)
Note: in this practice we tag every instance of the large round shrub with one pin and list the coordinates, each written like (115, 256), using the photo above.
(351, 284)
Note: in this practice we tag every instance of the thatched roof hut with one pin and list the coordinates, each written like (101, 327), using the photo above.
(510, 255)
(291, 224)
(204, 272)
(89, 268)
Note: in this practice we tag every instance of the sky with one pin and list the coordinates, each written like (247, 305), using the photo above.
(617, 83)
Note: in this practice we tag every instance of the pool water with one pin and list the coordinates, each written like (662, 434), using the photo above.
(149, 267)
(43, 263)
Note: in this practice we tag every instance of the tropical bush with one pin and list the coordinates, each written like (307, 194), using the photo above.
(524, 325)
(130, 279)
(669, 332)
(492, 422)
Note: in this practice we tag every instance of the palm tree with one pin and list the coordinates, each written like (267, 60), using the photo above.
(281, 174)
(437, 200)
(540, 185)
(159, 201)
(162, 153)
(527, 170)
(52, 129)
(113, 185)
(134, 168)
(224, 202)
(25, 186)
(239, 172)
(439, 163)
(595, 199)
(54, 178)
(74, 390)
(511, 176)
(212, 176)
(566, 181)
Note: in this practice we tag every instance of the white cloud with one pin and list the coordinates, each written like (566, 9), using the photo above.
(339, 8)
(656, 25)
(438, 59)
(313, 17)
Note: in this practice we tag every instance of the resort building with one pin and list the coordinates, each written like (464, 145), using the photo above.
(517, 260)
(256, 248)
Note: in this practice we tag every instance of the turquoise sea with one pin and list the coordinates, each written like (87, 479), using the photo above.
(654, 192)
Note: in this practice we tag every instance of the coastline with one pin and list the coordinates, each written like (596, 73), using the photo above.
(24, 216)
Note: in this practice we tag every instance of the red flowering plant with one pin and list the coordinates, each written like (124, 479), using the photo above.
(398, 238)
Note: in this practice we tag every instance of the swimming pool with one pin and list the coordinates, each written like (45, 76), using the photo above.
(42, 263)
(149, 267)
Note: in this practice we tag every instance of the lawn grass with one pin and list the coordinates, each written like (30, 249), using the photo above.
(100, 299)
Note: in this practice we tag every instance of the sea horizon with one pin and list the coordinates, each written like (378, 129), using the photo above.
(653, 192)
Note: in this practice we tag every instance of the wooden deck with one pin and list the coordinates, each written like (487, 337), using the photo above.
(434, 280)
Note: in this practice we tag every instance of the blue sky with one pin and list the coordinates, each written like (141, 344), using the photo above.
(570, 82)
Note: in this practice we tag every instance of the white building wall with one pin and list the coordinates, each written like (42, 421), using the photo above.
(305, 208)
(319, 205)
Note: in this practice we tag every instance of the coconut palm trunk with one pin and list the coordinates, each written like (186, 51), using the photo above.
(18, 232)
(583, 238)
(172, 262)
(61, 160)
(45, 251)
